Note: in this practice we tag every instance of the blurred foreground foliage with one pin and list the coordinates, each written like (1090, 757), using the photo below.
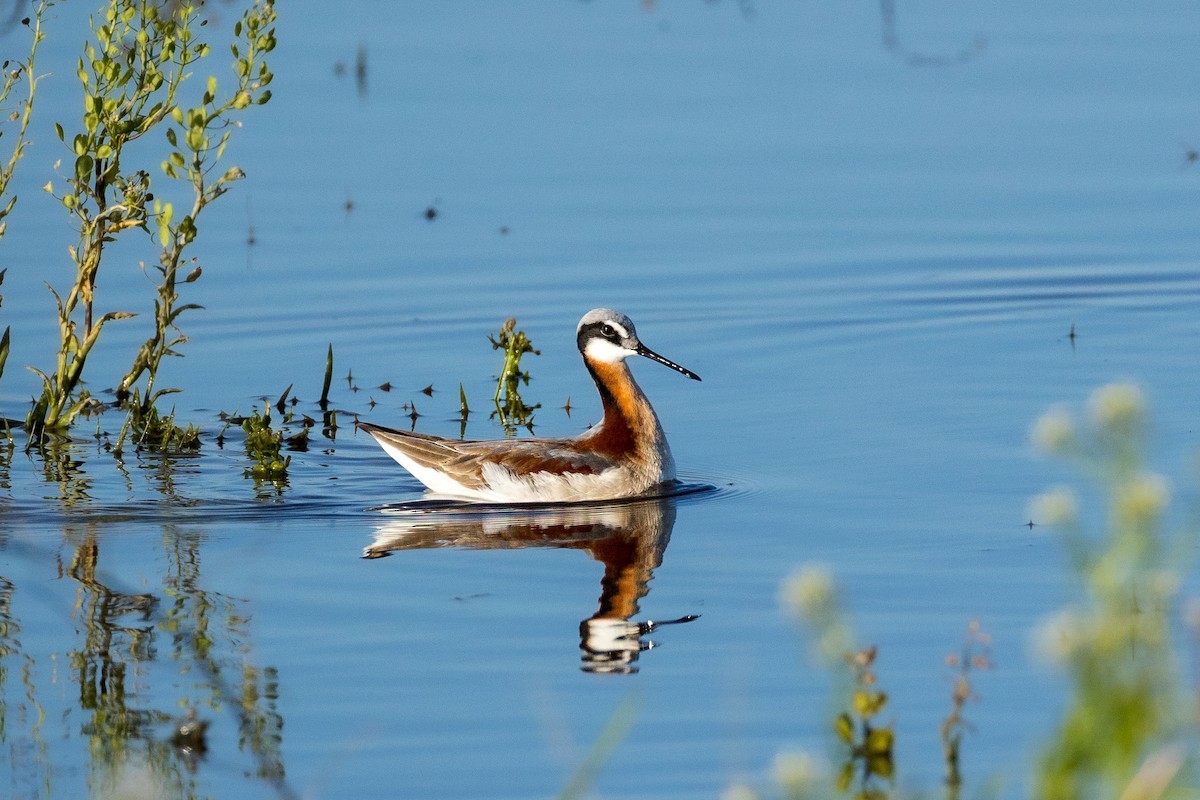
(1128, 730)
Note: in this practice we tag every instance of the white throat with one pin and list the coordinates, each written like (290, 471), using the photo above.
(606, 352)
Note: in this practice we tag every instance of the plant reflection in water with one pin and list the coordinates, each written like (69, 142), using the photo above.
(143, 725)
(628, 538)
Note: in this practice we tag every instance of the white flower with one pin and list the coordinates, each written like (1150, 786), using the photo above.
(1058, 507)
(1057, 638)
(1054, 432)
(1142, 499)
(809, 591)
(1118, 407)
(798, 772)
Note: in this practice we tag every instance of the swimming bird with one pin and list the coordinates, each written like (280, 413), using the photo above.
(624, 455)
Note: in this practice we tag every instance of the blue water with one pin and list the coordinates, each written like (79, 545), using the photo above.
(875, 268)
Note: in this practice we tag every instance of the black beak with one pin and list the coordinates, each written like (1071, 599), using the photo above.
(642, 350)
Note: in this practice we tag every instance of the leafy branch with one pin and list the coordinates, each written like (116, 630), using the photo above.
(17, 73)
(131, 72)
(204, 132)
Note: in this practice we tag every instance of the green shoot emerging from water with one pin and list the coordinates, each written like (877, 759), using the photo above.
(264, 448)
(152, 430)
(512, 410)
(324, 402)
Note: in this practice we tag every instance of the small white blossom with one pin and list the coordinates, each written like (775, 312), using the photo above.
(1118, 407)
(1054, 432)
(1058, 507)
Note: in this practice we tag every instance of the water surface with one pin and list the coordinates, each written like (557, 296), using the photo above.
(875, 268)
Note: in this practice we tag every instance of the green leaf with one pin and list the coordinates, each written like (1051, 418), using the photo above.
(868, 704)
(842, 725)
(195, 139)
(83, 167)
(165, 213)
(845, 776)
(879, 742)
(3, 350)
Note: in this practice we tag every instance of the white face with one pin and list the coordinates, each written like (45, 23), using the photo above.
(607, 352)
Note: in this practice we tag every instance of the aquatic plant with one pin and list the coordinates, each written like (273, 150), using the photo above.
(4, 337)
(132, 70)
(512, 410)
(17, 73)
(153, 430)
(264, 448)
(464, 411)
(324, 401)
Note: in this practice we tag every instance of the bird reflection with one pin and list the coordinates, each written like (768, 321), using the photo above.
(628, 538)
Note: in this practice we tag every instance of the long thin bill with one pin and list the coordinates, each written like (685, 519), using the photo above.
(653, 356)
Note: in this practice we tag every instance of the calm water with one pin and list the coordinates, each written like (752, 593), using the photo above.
(874, 266)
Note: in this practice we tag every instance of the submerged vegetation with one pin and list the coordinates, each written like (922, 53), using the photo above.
(1129, 726)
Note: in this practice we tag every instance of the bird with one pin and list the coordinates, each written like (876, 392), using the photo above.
(624, 455)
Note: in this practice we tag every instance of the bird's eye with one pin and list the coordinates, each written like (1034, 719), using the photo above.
(607, 330)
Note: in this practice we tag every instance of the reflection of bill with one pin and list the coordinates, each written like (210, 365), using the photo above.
(628, 538)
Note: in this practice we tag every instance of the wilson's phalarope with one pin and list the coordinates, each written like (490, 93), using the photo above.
(624, 455)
